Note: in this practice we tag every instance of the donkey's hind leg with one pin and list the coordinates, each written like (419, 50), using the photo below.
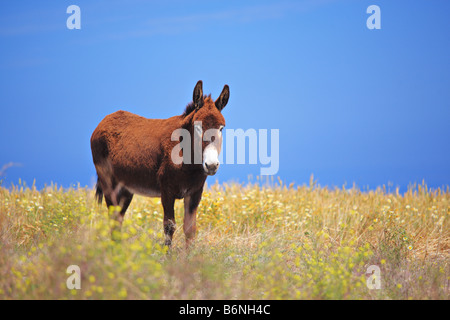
(119, 198)
(124, 199)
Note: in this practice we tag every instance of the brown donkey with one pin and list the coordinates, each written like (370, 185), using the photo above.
(136, 155)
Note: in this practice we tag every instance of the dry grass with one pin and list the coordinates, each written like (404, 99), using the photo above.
(254, 242)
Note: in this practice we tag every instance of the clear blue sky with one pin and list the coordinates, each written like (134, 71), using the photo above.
(351, 104)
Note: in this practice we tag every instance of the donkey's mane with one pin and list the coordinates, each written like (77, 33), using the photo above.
(191, 107)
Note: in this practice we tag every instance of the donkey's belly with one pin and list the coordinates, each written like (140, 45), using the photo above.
(147, 192)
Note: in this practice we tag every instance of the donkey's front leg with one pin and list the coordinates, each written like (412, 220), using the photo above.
(190, 215)
(168, 202)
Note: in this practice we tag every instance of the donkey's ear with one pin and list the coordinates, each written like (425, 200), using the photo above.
(222, 101)
(198, 95)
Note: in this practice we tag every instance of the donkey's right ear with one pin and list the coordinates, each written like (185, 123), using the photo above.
(198, 95)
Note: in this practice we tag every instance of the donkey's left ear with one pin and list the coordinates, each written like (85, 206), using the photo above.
(222, 101)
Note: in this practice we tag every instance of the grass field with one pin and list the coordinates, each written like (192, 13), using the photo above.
(253, 242)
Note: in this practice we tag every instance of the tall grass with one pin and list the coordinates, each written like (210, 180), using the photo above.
(253, 242)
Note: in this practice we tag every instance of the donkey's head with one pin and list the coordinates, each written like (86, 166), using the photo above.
(206, 124)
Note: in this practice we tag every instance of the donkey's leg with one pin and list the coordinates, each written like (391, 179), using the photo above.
(115, 228)
(118, 197)
(124, 198)
(168, 202)
(190, 216)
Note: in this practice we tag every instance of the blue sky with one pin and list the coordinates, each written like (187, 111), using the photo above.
(353, 105)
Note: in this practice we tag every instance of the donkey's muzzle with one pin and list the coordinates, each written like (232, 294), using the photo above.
(211, 168)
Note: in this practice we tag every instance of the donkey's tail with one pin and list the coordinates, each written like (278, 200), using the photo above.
(99, 193)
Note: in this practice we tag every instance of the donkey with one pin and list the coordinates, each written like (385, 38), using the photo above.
(134, 155)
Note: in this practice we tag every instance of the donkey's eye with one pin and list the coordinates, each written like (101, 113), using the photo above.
(221, 128)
